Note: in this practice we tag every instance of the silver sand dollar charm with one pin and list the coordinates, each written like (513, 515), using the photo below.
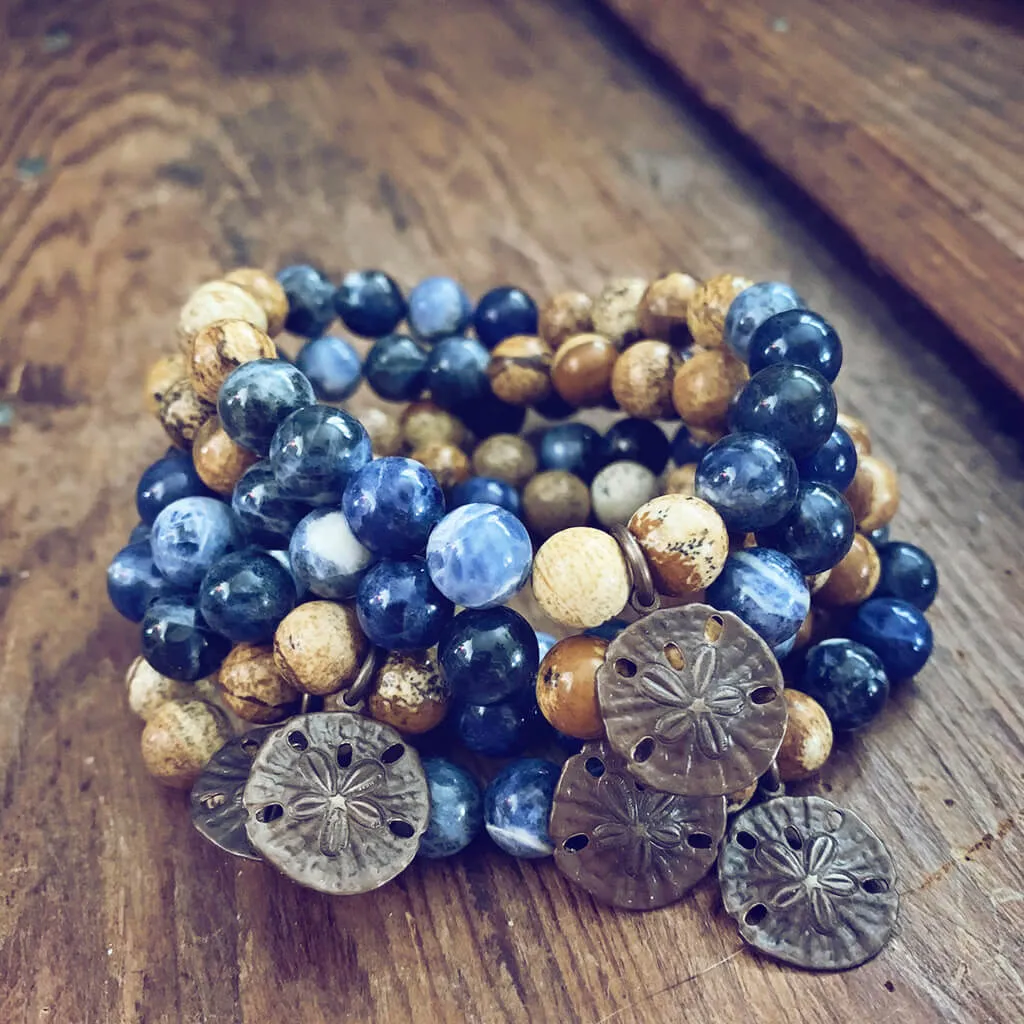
(625, 843)
(337, 802)
(808, 883)
(692, 699)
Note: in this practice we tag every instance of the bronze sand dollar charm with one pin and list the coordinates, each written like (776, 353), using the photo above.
(337, 802)
(809, 883)
(692, 699)
(625, 843)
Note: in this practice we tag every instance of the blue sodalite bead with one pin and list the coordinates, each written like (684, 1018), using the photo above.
(178, 643)
(574, 447)
(310, 300)
(190, 535)
(489, 655)
(325, 556)
(635, 440)
(502, 313)
(283, 559)
(457, 372)
(545, 641)
(169, 478)
(332, 366)
(392, 504)
(517, 806)
(491, 416)
(816, 532)
(908, 572)
(752, 307)
(456, 809)
(245, 595)
(793, 405)
(267, 516)
(834, 463)
(685, 449)
(438, 307)
(399, 608)
(554, 407)
(765, 589)
(140, 532)
(785, 649)
(396, 367)
(257, 397)
(489, 490)
(797, 336)
(504, 729)
(479, 555)
(878, 538)
(897, 632)
(133, 580)
(848, 680)
(316, 451)
(749, 479)
(370, 303)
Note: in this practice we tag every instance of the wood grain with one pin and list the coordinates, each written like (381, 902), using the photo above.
(147, 146)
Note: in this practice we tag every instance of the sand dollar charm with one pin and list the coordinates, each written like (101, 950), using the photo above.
(692, 700)
(337, 802)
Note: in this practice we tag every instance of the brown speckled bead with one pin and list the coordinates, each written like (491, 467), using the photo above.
(217, 300)
(505, 457)
(252, 685)
(805, 633)
(580, 577)
(162, 375)
(384, 429)
(449, 464)
(219, 461)
(807, 742)
(680, 479)
(567, 686)
(642, 380)
(684, 540)
(705, 314)
(180, 737)
(555, 500)
(520, 370)
(858, 431)
(582, 370)
(410, 694)
(221, 347)
(704, 385)
(817, 581)
(615, 310)
(267, 291)
(874, 494)
(182, 413)
(319, 647)
(662, 310)
(424, 422)
(564, 315)
(854, 579)
(737, 801)
(706, 435)
(148, 690)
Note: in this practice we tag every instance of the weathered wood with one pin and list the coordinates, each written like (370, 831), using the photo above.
(149, 146)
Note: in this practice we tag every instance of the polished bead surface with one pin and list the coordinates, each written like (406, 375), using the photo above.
(180, 738)
(133, 580)
(219, 461)
(369, 302)
(853, 579)
(161, 377)
(573, 447)
(266, 515)
(897, 632)
(268, 293)
(489, 415)
(182, 412)
(751, 308)
(165, 481)
(409, 693)
(319, 647)
(563, 316)
(662, 310)
(555, 500)
(704, 387)
(502, 313)
(614, 312)
(874, 494)
(878, 538)
(332, 366)
(140, 531)
(816, 533)
(567, 686)
(685, 448)
(456, 809)
(545, 641)
(245, 595)
(808, 740)
(488, 490)
(396, 367)
(221, 347)
(907, 573)
(581, 371)
(520, 370)
(504, 729)
(438, 307)
(637, 440)
(399, 607)
(383, 429)
(424, 422)
(326, 556)
(619, 490)
(252, 688)
(834, 463)
(456, 372)
(448, 464)
(178, 643)
(797, 336)
(257, 397)
(848, 680)
(517, 806)
(857, 431)
(708, 306)
(148, 689)
(506, 457)
(310, 300)
(217, 300)
(190, 535)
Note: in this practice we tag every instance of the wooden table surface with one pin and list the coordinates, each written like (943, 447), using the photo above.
(147, 146)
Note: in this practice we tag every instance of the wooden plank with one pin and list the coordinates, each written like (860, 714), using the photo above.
(147, 146)
(902, 120)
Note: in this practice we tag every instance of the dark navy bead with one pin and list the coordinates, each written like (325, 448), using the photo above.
(267, 516)
(332, 366)
(751, 308)
(834, 463)
(133, 581)
(489, 655)
(816, 532)
(283, 559)
(503, 312)
(257, 397)
(190, 535)
(504, 729)
(574, 447)
(749, 479)
(878, 538)
(140, 532)
(399, 608)
(172, 477)
(370, 303)
(636, 440)
(178, 643)
(897, 632)
(488, 490)
(310, 300)
(554, 407)
(245, 595)
(316, 451)
(392, 504)
(792, 405)
(456, 809)
(685, 449)
(396, 368)
(438, 307)
(847, 680)
(457, 372)
(907, 572)
(517, 806)
(797, 336)
(491, 416)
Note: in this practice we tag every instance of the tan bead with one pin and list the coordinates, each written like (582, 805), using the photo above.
(615, 310)
(642, 380)
(854, 579)
(684, 541)
(410, 694)
(565, 315)
(424, 422)
(449, 464)
(805, 633)
(704, 385)
(319, 647)
(252, 685)
(182, 413)
(737, 801)
(384, 430)
(267, 291)
(505, 457)
(706, 435)
(582, 370)
(662, 310)
(619, 490)
(705, 315)
(162, 375)
(817, 581)
(858, 431)
(219, 461)
(580, 577)
(180, 737)
(681, 479)
(520, 370)
(148, 689)
(807, 742)
(555, 500)
(221, 347)
(567, 686)
(874, 494)
(217, 300)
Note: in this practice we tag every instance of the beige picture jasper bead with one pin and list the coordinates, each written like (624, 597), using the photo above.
(148, 689)
(681, 479)
(662, 309)
(567, 686)
(737, 801)
(384, 431)
(582, 370)
(565, 315)
(162, 375)
(219, 461)
(252, 685)
(705, 314)
(180, 737)
(642, 380)
(874, 493)
(854, 579)
(424, 422)
(267, 291)
(807, 742)
(449, 464)
(555, 500)
(520, 370)
(319, 647)
(182, 413)
(858, 431)
(410, 694)
(221, 347)
(704, 385)
(505, 457)
(619, 490)
(614, 313)
(217, 300)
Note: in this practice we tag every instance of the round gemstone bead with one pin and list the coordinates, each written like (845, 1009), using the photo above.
(165, 481)
(457, 372)
(504, 729)
(636, 440)
(332, 366)
(245, 595)
(438, 307)
(817, 531)
(572, 447)
(490, 416)
(878, 538)
(502, 313)
(517, 806)
(369, 302)
(907, 572)
(133, 580)
(456, 809)
(399, 608)
(178, 643)
(310, 300)
(686, 448)
(140, 532)
(325, 556)
(752, 307)
(396, 367)
(897, 632)
(479, 555)
(834, 463)
(257, 397)
(267, 515)
(190, 535)
(489, 490)
(797, 336)
(848, 680)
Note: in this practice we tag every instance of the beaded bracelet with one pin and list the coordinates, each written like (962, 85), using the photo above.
(298, 556)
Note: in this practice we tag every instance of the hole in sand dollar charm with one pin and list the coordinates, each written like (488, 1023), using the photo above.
(692, 699)
(353, 797)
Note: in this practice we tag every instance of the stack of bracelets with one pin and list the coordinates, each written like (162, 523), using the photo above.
(313, 600)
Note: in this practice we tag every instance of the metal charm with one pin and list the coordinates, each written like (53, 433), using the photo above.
(809, 883)
(692, 699)
(626, 844)
(644, 596)
(337, 802)
(216, 800)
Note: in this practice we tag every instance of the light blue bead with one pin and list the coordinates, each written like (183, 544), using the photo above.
(190, 535)
(545, 641)
(479, 555)
(517, 806)
(325, 556)
(752, 307)
(456, 809)
(332, 366)
(438, 307)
